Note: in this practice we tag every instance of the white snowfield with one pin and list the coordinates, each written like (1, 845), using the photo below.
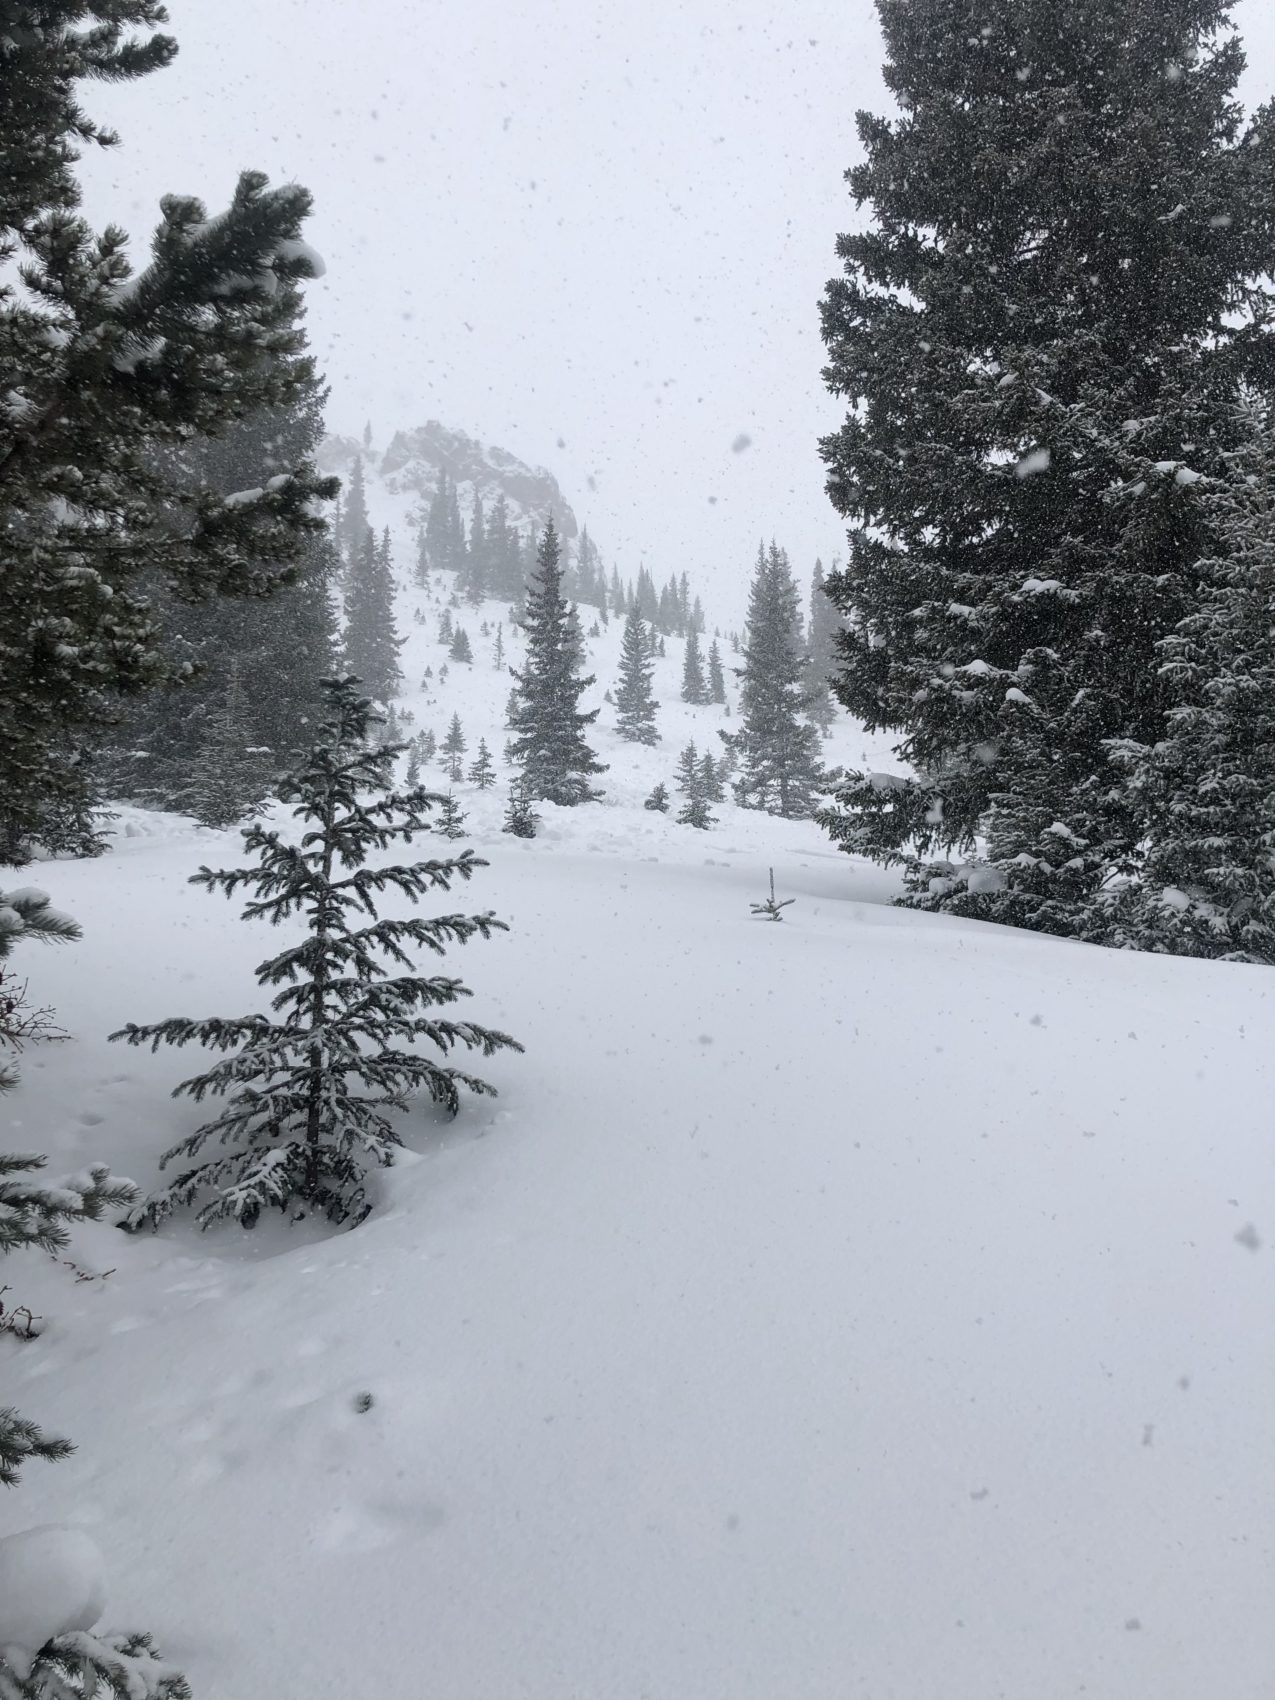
(870, 1305)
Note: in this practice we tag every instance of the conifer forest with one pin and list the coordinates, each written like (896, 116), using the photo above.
(637, 850)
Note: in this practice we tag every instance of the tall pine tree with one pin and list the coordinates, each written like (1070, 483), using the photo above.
(694, 688)
(635, 706)
(716, 678)
(1038, 337)
(778, 752)
(355, 524)
(372, 642)
(549, 744)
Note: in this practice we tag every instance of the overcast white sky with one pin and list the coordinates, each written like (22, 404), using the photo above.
(594, 233)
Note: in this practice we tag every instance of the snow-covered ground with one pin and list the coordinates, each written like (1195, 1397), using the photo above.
(869, 1305)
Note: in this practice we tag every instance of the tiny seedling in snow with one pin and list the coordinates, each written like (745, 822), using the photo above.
(770, 909)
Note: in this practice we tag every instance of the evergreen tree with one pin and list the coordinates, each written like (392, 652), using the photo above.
(482, 772)
(696, 812)
(520, 818)
(451, 818)
(700, 783)
(445, 628)
(711, 781)
(779, 755)
(120, 1667)
(716, 678)
(24, 914)
(356, 526)
(500, 581)
(229, 777)
(575, 639)
(460, 649)
(635, 717)
(821, 653)
(694, 689)
(648, 603)
(435, 547)
(103, 373)
(1038, 339)
(454, 530)
(548, 727)
(309, 1089)
(688, 770)
(428, 746)
(498, 652)
(657, 802)
(412, 772)
(371, 639)
(420, 576)
(1207, 788)
(454, 747)
(281, 646)
(474, 572)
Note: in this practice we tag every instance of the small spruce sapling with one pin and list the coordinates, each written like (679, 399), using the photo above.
(520, 818)
(451, 818)
(696, 812)
(658, 800)
(308, 1090)
(771, 910)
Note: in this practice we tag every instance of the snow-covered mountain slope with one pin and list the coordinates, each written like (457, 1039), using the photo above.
(415, 459)
(872, 1304)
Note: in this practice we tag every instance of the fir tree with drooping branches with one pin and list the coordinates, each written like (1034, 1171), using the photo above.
(1062, 277)
(311, 1089)
(549, 743)
(1206, 788)
(634, 703)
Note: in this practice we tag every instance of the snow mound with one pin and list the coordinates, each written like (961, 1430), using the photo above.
(52, 1580)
